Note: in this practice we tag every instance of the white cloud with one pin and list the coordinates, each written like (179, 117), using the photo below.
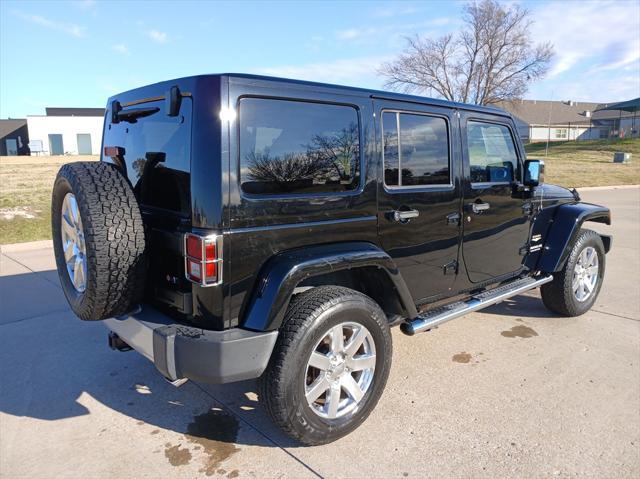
(603, 33)
(619, 58)
(121, 48)
(394, 11)
(563, 63)
(351, 33)
(157, 36)
(394, 31)
(349, 71)
(597, 50)
(68, 28)
(598, 88)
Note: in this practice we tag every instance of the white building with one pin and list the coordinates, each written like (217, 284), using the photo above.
(66, 131)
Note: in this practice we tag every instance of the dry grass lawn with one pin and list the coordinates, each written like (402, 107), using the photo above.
(588, 163)
(26, 181)
(25, 195)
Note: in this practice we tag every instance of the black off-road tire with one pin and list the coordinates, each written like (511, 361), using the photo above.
(309, 317)
(558, 295)
(113, 236)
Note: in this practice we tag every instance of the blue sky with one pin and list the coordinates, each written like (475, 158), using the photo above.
(77, 53)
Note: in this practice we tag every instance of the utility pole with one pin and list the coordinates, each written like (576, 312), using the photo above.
(546, 150)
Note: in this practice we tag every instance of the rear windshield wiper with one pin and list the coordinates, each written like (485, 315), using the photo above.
(172, 99)
(130, 115)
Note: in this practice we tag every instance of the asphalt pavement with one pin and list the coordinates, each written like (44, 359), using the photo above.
(512, 391)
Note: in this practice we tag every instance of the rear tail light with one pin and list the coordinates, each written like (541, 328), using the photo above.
(203, 259)
(113, 151)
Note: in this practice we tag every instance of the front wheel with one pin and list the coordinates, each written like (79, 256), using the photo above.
(574, 289)
(329, 366)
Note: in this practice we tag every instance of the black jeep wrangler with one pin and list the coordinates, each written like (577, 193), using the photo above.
(240, 226)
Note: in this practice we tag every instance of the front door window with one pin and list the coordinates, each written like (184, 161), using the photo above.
(492, 154)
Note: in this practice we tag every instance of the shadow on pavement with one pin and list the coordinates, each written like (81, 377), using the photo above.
(523, 305)
(30, 294)
(55, 367)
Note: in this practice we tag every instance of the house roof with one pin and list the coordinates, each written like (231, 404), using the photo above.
(629, 106)
(543, 112)
(74, 111)
(9, 126)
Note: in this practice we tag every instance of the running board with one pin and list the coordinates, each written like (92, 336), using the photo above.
(436, 317)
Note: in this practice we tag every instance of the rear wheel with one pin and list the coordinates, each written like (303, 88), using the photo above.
(329, 366)
(98, 240)
(575, 288)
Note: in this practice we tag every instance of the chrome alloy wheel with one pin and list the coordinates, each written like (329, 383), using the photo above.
(585, 274)
(340, 370)
(75, 253)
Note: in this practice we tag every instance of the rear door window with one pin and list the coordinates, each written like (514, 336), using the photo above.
(297, 147)
(415, 150)
(492, 153)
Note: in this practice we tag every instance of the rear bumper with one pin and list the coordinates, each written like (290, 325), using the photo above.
(180, 351)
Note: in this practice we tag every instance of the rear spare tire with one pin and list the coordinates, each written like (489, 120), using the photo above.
(98, 240)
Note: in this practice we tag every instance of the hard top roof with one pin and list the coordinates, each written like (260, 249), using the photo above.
(373, 93)
(329, 86)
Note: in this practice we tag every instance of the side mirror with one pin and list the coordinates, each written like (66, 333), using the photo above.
(533, 172)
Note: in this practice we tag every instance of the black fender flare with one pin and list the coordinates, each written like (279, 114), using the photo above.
(283, 272)
(566, 225)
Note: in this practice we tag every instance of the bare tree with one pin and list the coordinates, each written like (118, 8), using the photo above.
(281, 169)
(338, 151)
(491, 59)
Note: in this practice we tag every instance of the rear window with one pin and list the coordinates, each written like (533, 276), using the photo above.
(297, 147)
(157, 155)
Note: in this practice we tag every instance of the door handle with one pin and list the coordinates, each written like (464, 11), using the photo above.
(403, 216)
(478, 208)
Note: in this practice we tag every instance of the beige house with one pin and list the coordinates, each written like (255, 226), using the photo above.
(542, 120)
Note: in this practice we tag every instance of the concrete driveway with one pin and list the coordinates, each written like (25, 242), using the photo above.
(512, 391)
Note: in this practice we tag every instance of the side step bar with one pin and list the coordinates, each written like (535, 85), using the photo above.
(436, 317)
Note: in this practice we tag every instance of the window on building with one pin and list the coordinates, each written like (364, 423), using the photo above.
(492, 153)
(561, 133)
(416, 153)
(297, 147)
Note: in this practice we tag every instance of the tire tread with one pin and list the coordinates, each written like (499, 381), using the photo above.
(302, 308)
(114, 238)
(557, 295)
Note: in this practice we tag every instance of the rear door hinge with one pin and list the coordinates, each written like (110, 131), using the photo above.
(453, 219)
(530, 248)
(451, 267)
